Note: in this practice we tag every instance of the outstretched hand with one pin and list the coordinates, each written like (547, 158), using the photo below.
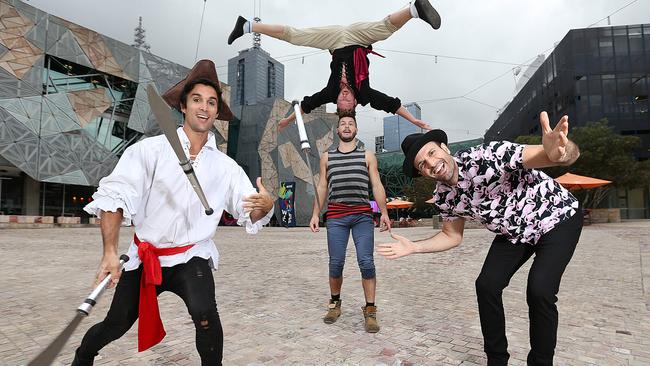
(423, 125)
(261, 201)
(555, 140)
(402, 247)
(284, 122)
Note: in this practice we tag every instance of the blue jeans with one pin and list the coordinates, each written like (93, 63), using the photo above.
(338, 233)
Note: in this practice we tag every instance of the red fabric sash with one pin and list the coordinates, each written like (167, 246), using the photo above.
(150, 326)
(338, 210)
(361, 65)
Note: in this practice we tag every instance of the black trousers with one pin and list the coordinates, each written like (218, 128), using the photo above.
(192, 282)
(552, 254)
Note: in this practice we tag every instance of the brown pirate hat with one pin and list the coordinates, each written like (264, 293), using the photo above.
(203, 69)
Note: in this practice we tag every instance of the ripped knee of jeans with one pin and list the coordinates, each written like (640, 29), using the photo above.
(205, 320)
(199, 273)
(205, 323)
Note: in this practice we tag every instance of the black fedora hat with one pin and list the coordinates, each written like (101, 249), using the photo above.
(413, 143)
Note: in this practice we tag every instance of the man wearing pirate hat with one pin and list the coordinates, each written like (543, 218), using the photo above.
(172, 249)
(496, 183)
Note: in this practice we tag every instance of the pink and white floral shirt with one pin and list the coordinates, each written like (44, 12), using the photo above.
(494, 188)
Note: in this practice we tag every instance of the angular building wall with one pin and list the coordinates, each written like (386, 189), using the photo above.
(277, 157)
(291, 163)
(71, 99)
(256, 99)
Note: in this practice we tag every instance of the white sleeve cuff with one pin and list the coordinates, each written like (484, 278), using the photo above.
(109, 204)
(253, 228)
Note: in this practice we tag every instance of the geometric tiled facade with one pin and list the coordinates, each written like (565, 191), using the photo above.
(71, 101)
(322, 135)
(276, 156)
(63, 132)
(19, 55)
(89, 104)
(94, 47)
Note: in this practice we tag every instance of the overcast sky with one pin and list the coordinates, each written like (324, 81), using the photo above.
(507, 31)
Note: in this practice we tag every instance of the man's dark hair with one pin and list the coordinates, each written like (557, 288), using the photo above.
(347, 113)
(192, 83)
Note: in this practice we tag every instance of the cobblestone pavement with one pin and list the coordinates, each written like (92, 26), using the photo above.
(272, 290)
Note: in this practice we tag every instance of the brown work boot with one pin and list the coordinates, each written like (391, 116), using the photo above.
(333, 312)
(370, 319)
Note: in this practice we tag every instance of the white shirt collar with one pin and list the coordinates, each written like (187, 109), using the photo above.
(211, 143)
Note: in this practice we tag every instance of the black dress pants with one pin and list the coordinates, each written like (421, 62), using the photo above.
(552, 253)
(192, 282)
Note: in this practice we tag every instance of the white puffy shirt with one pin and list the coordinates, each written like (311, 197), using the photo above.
(150, 187)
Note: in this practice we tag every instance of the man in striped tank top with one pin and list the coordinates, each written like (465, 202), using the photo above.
(347, 173)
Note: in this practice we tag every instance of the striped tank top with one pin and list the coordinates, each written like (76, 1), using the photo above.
(348, 181)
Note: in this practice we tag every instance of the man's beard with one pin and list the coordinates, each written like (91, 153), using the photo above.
(347, 139)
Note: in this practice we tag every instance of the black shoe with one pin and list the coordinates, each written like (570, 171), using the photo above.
(238, 31)
(80, 361)
(427, 13)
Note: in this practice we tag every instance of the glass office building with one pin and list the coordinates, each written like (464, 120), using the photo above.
(396, 128)
(593, 73)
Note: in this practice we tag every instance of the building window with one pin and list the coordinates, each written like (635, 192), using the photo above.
(62, 76)
(624, 96)
(549, 70)
(606, 47)
(636, 40)
(379, 144)
(109, 128)
(241, 70)
(609, 96)
(270, 80)
(635, 132)
(640, 95)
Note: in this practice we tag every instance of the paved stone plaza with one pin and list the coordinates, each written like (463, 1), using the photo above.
(272, 290)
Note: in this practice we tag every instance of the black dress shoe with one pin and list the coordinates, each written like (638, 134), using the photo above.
(238, 31)
(427, 13)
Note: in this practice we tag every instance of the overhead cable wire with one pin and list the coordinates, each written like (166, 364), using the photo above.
(473, 90)
(451, 57)
(616, 11)
(198, 41)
